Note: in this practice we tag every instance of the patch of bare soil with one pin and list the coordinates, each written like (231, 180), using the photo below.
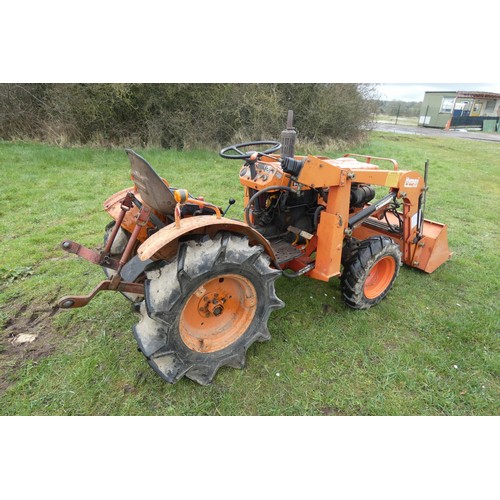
(328, 411)
(28, 335)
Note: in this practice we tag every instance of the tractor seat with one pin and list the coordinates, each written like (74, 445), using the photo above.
(151, 188)
(155, 193)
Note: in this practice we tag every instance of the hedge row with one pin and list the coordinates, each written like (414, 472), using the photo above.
(182, 115)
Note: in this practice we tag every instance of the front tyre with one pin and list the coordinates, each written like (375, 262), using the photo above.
(206, 307)
(370, 272)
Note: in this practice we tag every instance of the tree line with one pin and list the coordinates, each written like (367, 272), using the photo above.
(400, 108)
(183, 115)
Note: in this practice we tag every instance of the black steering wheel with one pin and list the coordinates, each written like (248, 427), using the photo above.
(246, 155)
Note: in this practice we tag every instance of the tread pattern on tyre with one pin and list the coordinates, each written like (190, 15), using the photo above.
(168, 286)
(357, 269)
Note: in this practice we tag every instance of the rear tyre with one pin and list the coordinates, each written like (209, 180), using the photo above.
(370, 272)
(206, 307)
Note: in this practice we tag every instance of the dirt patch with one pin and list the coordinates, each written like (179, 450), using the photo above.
(28, 335)
(329, 411)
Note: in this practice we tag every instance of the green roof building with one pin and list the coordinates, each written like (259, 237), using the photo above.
(460, 109)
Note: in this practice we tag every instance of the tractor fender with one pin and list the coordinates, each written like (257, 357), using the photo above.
(163, 244)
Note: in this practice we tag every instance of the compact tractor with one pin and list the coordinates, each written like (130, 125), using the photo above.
(203, 284)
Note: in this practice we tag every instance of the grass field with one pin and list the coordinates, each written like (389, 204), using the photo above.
(401, 120)
(431, 347)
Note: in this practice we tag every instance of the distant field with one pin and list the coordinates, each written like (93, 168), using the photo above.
(401, 120)
(431, 348)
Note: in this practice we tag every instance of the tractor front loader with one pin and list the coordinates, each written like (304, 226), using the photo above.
(204, 284)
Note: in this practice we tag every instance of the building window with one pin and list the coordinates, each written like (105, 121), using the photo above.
(490, 106)
(447, 105)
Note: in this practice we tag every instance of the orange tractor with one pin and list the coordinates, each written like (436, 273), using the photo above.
(204, 284)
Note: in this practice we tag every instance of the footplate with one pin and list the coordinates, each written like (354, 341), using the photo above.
(70, 302)
(284, 251)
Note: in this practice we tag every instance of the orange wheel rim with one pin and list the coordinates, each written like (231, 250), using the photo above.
(380, 277)
(218, 313)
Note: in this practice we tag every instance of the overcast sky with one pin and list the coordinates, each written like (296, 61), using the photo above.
(415, 91)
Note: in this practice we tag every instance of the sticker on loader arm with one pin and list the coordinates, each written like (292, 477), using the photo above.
(414, 220)
(411, 183)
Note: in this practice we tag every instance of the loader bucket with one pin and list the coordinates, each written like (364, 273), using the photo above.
(432, 250)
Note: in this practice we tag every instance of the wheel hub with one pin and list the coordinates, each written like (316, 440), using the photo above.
(211, 304)
(218, 313)
(379, 277)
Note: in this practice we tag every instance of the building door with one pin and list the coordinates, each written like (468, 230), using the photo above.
(461, 109)
(477, 107)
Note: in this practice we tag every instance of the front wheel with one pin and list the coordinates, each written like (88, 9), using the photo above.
(370, 272)
(206, 307)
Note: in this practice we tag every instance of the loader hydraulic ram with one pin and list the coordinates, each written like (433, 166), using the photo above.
(204, 284)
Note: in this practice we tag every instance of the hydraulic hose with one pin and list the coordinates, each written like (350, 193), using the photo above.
(257, 194)
(318, 210)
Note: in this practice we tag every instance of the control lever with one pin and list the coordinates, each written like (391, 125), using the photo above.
(232, 201)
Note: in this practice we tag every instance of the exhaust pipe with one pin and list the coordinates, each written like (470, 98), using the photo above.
(288, 137)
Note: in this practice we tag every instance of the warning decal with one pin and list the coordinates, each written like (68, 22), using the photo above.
(411, 183)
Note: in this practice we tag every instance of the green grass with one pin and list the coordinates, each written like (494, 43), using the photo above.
(430, 348)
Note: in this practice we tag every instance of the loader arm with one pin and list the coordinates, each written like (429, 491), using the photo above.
(426, 252)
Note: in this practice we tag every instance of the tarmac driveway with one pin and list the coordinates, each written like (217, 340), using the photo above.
(456, 133)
